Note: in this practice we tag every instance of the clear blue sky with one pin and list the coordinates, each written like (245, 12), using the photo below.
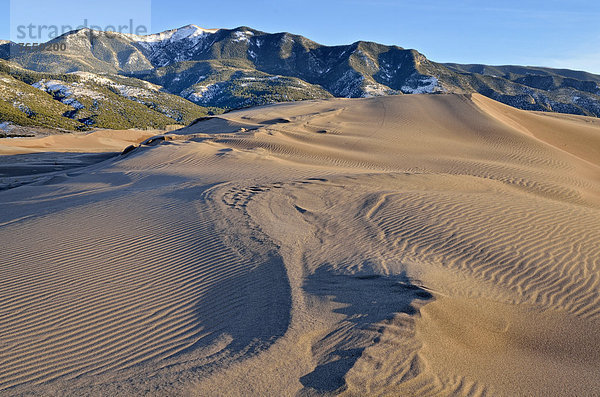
(556, 33)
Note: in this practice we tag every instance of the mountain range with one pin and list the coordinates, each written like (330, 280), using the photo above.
(114, 80)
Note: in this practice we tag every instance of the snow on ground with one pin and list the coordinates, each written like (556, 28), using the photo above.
(148, 89)
(425, 86)
(185, 32)
(23, 108)
(86, 76)
(189, 36)
(243, 36)
(375, 89)
(367, 59)
(201, 93)
(67, 91)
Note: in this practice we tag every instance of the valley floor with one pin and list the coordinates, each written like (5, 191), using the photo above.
(406, 245)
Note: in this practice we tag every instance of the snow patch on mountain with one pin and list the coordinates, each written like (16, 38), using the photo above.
(368, 61)
(203, 93)
(107, 82)
(5, 126)
(173, 35)
(244, 35)
(133, 92)
(348, 85)
(23, 108)
(64, 92)
(79, 38)
(174, 46)
(422, 86)
(376, 89)
(94, 78)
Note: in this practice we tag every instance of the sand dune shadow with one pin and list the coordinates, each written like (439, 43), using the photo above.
(369, 299)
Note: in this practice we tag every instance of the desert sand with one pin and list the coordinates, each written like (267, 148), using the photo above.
(424, 245)
(95, 142)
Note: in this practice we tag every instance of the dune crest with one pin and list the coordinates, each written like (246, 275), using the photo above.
(405, 245)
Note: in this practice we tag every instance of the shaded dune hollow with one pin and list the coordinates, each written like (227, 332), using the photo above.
(429, 245)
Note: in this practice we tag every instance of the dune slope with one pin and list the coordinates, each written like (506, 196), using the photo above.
(406, 245)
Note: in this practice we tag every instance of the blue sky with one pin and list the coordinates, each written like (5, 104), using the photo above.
(548, 33)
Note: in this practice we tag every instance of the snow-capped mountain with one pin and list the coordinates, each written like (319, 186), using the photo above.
(232, 68)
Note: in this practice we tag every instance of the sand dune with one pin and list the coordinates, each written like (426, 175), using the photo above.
(409, 245)
(97, 141)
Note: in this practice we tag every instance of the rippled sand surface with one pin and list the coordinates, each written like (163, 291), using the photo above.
(406, 245)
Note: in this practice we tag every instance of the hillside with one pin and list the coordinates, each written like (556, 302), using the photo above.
(83, 100)
(243, 67)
